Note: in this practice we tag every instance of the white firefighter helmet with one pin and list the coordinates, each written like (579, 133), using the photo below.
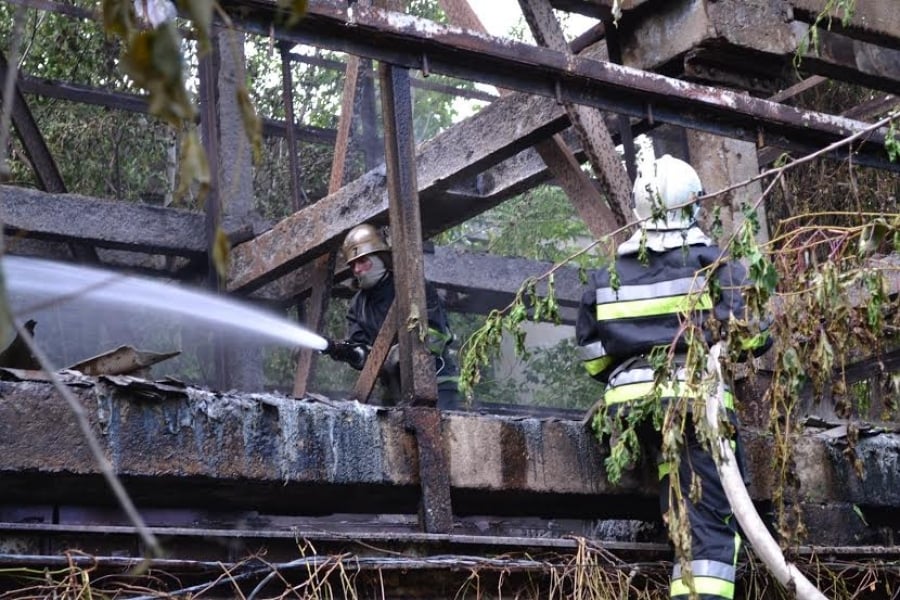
(670, 183)
(361, 241)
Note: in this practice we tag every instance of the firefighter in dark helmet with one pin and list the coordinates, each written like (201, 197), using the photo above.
(369, 258)
(639, 305)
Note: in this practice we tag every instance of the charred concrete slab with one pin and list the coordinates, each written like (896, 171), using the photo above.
(878, 22)
(297, 456)
(752, 44)
(194, 449)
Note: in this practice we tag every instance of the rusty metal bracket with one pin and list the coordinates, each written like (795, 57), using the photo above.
(380, 348)
(435, 510)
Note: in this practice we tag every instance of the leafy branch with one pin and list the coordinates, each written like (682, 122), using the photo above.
(483, 345)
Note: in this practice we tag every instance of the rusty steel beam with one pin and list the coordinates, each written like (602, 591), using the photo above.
(840, 57)
(208, 73)
(35, 147)
(587, 122)
(566, 169)
(323, 266)
(298, 197)
(514, 65)
(320, 283)
(362, 389)
(367, 120)
(623, 123)
(500, 131)
(436, 509)
(877, 22)
(138, 103)
(40, 157)
(418, 383)
(424, 84)
(106, 223)
(209, 128)
(589, 203)
(874, 108)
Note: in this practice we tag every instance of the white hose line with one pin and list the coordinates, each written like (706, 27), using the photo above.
(764, 545)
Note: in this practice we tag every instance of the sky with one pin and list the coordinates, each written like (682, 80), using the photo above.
(499, 16)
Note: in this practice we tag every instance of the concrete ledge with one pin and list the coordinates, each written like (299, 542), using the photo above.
(185, 447)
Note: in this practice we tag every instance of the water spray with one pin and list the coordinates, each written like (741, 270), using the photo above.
(57, 282)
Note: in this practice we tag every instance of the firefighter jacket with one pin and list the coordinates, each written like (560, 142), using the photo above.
(636, 306)
(618, 325)
(369, 308)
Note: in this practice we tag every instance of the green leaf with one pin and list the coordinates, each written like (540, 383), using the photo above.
(153, 60)
(872, 236)
(221, 253)
(193, 166)
(297, 10)
(119, 17)
(892, 144)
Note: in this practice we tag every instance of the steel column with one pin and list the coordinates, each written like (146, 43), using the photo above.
(614, 51)
(323, 269)
(416, 364)
(417, 376)
(588, 122)
(208, 69)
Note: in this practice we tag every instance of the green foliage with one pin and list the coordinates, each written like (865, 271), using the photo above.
(891, 143)
(99, 152)
(545, 376)
(152, 59)
(540, 224)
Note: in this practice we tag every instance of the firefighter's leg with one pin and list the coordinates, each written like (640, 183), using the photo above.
(449, 397)
(447, 375)
(715, 542)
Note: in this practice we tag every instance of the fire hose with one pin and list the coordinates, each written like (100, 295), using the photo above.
(764, 545)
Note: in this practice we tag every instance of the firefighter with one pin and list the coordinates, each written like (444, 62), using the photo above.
(639, 305)
(369, 258)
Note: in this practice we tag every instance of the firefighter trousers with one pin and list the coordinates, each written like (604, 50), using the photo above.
(715, 540)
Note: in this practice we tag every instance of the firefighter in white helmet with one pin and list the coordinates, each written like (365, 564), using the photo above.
(369, 258)
(661, 278)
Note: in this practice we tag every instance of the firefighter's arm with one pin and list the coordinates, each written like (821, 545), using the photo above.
(439, 336)
(594, 358)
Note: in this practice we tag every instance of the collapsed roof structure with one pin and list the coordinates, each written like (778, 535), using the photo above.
(710, 80)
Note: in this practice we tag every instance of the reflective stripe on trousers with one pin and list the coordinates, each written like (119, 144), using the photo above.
(710, 579)
(715, 542)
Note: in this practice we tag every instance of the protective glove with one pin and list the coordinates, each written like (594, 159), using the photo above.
(348, 352)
